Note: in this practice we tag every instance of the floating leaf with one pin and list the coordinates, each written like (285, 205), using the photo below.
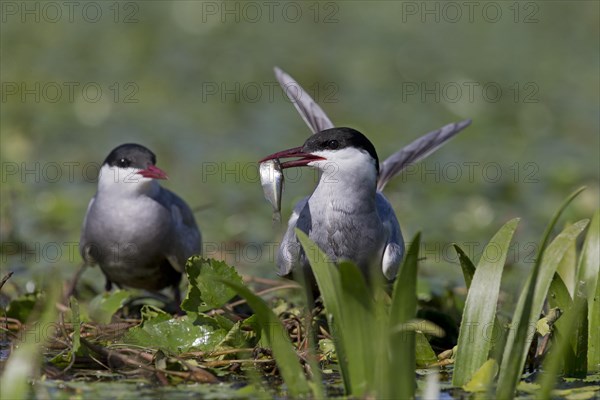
(580, 393)
(174, 335)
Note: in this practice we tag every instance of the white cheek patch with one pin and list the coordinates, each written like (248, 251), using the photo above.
(122, 180)
(348, 159)
(354, 156)
(111, 174)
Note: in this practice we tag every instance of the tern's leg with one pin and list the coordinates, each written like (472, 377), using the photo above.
(177, 294)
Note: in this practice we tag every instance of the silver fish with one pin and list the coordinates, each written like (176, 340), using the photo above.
(271, 179)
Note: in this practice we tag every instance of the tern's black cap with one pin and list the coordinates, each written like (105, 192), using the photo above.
(340, 138)
(130, 155)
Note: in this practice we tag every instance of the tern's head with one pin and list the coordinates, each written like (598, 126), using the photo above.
(333, 149)
(131, 167)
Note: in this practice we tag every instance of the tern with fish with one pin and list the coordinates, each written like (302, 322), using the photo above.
(347, 215)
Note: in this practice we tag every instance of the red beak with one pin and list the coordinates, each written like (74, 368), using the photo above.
(153, 172)
(305, 158)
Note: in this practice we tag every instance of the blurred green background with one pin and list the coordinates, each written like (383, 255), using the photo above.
(194, 82)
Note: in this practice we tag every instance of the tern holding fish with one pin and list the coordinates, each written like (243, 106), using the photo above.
(347, 215)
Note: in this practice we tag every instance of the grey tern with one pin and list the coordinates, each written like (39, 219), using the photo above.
(139, 233)
(347, 215)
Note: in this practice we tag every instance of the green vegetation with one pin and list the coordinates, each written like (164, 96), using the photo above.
(197, 88)
(369, 343)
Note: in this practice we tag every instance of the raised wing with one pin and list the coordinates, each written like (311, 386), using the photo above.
(417, 150)
(317, 120)
(309, 110)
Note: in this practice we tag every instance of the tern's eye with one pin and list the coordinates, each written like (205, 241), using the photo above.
(123, 163)
(332, 144)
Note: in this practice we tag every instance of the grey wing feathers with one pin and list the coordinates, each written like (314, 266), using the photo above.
(83, 248)
(187, 239)
(394, 247)
(311, 112)
(417, 150)
(290, 254)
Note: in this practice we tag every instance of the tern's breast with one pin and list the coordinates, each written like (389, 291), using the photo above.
(128, 231)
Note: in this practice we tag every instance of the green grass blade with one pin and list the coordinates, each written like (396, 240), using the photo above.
(402, 352)
(577, 366)
(529, 307)
(554, 220)
(283, 351)
(404, 299)
(517, 340)
(574, 358)
(467, 266)
(589, 272)
(560, 348)
(594, 332)
(358, 328)
(558, 294)
(495, 335)
(474, 342)
(76, 322)
(567, 268)
(425, 356)
(328, 280)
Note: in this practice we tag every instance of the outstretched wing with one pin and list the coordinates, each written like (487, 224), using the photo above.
(309, 110)
(317, 120)
(417, 150)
